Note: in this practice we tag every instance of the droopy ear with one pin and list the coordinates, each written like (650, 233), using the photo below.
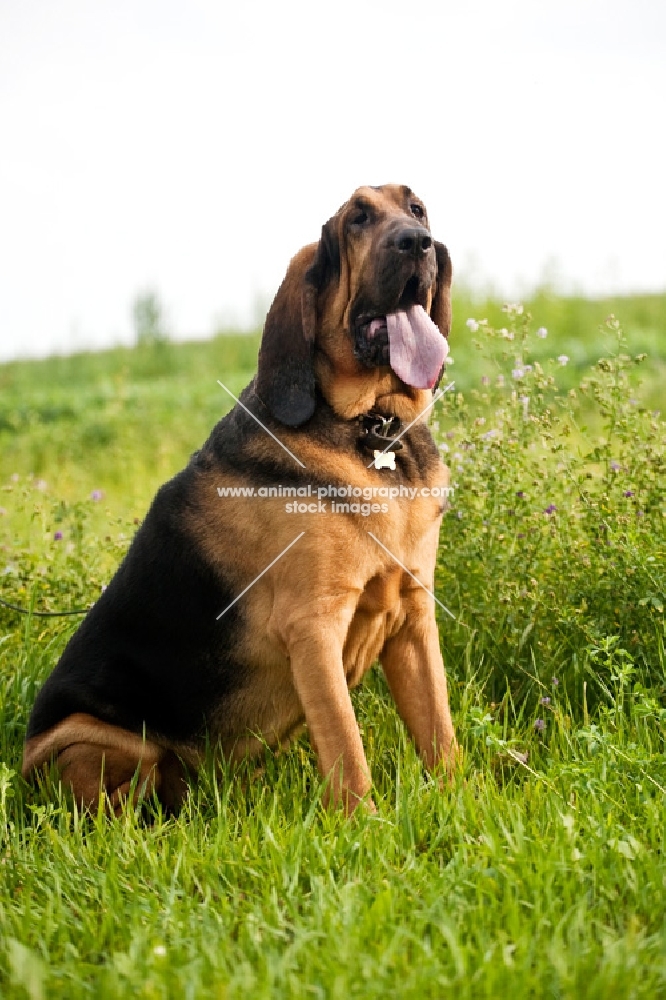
(440, 311)
(285, 377)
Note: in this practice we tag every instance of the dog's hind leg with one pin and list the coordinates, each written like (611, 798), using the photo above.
(95, 758)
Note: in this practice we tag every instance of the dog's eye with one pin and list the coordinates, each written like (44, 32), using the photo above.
(360, 218)
(417, 211)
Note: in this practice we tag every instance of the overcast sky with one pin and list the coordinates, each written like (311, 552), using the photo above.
(193, 147)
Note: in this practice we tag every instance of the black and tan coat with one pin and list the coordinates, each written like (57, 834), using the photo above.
(152, 673)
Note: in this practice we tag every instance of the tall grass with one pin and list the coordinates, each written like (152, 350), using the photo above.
(540, 870)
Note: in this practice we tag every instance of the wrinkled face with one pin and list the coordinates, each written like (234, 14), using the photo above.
(387, 263)
(379, 306)
(363, 314)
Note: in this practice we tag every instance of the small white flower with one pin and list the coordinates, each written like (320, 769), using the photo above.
(472, 325)
(444, 446)
(563, 359)
(449, 360)
(517, 373)
(542, 332)
(159, 950)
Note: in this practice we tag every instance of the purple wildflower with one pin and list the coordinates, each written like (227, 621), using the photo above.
(96, 495)
(539, 725)
(555, 681)
(520, 494)
(615, 466)
(545, 701)
(550, 509)
(628, 493)
(485, 380)
(57, 536)
(542, 332)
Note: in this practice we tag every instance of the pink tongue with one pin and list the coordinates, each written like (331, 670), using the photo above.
(417, 349)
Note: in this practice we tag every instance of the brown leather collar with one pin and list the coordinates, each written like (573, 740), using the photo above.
(378, 431)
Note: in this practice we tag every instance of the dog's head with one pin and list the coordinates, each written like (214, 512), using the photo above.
(363, 314)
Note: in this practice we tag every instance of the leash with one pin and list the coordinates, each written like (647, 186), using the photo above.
(43, 614)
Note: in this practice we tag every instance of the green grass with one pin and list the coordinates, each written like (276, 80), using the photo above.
(540, 871)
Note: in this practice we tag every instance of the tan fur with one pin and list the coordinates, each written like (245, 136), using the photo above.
(94, 757)
(325, 612)
(335, 602)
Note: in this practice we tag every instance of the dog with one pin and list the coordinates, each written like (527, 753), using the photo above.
(233, 621)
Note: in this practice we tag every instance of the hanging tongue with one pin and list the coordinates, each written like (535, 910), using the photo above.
(417, 350)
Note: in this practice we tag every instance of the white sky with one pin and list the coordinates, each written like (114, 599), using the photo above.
(193, 147)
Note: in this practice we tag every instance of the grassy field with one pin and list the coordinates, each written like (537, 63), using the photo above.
(541, 871)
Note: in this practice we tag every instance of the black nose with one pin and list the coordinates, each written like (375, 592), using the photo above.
(414, 242)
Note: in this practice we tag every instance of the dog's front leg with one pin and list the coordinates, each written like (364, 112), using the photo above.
(321, 685)
(412, 662)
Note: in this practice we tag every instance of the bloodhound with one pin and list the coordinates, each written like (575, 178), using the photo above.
(239, 618)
